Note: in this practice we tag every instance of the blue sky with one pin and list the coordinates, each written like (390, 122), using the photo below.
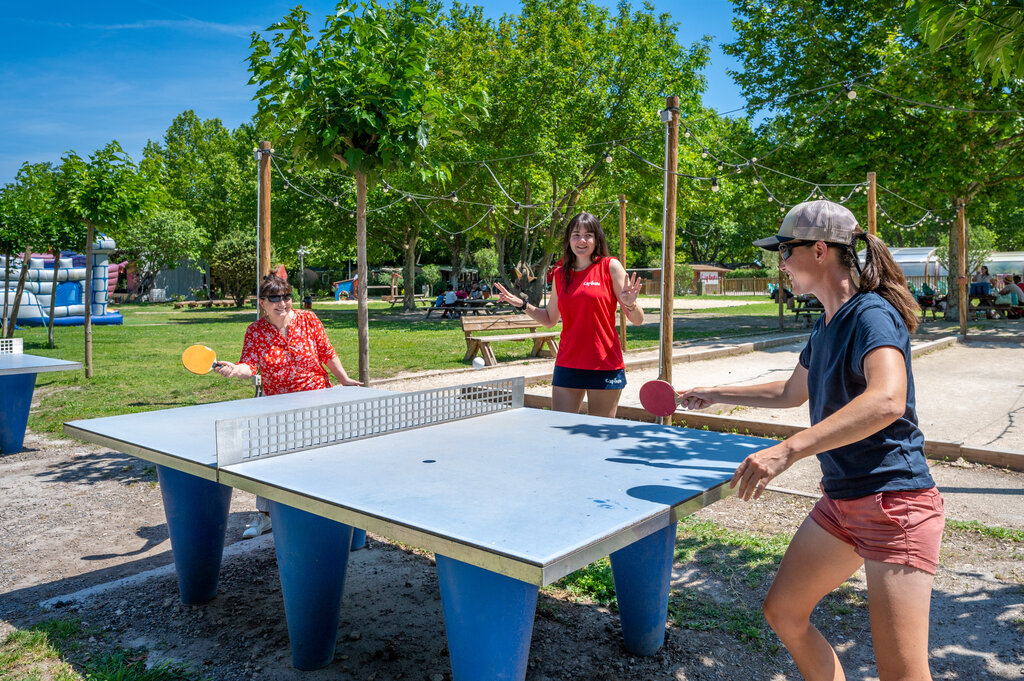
(77, 75)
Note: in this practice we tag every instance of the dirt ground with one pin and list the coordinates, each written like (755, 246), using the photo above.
(82, 535)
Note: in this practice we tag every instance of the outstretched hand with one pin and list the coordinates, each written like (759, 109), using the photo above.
(506, 297)
(631, 290)
(757, 470)
(695, 398)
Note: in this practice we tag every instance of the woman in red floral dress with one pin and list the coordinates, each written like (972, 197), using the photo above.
(289, 349)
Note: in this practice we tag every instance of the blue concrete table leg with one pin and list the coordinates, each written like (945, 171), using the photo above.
(642, 572)
(312, 554)
(17, 398)
(489, 620)
(358, 539)
(197, 516)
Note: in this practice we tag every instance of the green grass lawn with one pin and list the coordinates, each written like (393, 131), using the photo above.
(137, 366)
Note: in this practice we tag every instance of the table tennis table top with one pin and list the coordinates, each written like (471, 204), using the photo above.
(20, 363)
(529, 493)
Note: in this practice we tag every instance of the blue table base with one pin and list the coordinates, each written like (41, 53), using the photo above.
(197, 517)
(642, 572)
(17, 398)
(489, 620)
(312, 555)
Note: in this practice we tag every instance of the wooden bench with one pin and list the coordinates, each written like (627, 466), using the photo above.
(545, 343)
(470, 307)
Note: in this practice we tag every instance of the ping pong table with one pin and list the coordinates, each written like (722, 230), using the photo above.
(17, 383)
(508, 498)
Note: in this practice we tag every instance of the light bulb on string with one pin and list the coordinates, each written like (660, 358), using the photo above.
(714, 184)
(704, 153)
(851, 94)
(756, 180)
(721, 166)
(607, 157)
(517, 209)
(686, 132)
(454, 198)
(408, 197)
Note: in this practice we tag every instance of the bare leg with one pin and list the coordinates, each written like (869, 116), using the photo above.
(899, 598)
(603, 402)
(567, 399)
(815, 563)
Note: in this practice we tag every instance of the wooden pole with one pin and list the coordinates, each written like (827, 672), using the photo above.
(362, 279)
(668, 244)
(264, 215)
(622, 259)
(872, 205)
(90, 234)
(961, 247)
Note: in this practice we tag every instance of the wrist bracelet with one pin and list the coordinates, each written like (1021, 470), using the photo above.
(522, 308)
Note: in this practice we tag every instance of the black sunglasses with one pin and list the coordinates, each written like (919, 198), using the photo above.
(786, 249)
(277, 299)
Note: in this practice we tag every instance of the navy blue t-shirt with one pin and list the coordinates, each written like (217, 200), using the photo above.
(891, 459)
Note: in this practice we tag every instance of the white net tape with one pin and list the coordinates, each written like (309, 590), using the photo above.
(252, 437)
(11, 346)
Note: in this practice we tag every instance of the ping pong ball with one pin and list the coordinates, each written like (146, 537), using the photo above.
(478, 362)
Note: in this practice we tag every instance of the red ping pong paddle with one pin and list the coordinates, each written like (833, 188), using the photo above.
(659, 398)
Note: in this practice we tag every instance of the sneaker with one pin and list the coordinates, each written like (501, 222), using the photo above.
(258, 524)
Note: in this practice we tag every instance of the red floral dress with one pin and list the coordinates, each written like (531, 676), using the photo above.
(291, 364)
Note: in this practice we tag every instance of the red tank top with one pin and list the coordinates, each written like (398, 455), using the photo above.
(589, 339)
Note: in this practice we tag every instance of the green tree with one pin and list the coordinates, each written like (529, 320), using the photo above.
(993, 32)
(233, 266)
(797, 54)
(563, 77)
(160, 239)
(105, 192)
(979, 247)
(360, 96)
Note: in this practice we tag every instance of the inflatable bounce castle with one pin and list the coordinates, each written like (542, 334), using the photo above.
(69, 306)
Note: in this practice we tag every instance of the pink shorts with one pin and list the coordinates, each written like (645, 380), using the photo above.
(902, 527)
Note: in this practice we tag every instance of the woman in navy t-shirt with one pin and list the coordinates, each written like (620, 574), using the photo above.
(880, 507)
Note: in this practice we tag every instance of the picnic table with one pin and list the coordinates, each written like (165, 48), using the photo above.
(471, 306)
(806, 307)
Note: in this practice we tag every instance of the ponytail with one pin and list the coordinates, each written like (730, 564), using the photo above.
(883, 276)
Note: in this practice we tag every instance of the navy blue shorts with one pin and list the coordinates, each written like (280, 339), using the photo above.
(589, 379)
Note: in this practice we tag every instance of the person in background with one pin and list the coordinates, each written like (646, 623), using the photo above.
(880, 508)
(449, 301)
(289, 348)
(588, 289)
(474, 293)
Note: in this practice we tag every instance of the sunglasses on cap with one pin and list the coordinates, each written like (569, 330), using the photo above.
(786, 248)
(286, 297)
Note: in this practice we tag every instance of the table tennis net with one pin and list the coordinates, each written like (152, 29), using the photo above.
(11, 346)
(265, 435)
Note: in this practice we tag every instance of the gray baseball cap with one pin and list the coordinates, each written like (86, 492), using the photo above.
(819, 220)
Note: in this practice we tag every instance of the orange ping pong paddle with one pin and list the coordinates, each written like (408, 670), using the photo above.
(199, 359)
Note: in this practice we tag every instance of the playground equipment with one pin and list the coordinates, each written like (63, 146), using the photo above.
(69, 306)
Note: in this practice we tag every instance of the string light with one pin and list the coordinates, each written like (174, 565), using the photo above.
(704, 152)
(607, 157)
(851, 94)
(516, 209)
(714, 184)
(454, 197)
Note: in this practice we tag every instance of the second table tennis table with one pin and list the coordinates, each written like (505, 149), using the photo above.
(17, 383)
(508, 498)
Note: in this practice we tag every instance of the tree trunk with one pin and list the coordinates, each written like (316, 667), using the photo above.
(90, 234)
(412, 237)
(17, 294)
(7, 285)
(53, 298)
(362, 314)
(952, 289)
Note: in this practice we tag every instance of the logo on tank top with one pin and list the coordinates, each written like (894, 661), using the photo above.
(591, 283)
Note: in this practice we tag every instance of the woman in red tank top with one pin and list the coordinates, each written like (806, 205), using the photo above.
(588, 287)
